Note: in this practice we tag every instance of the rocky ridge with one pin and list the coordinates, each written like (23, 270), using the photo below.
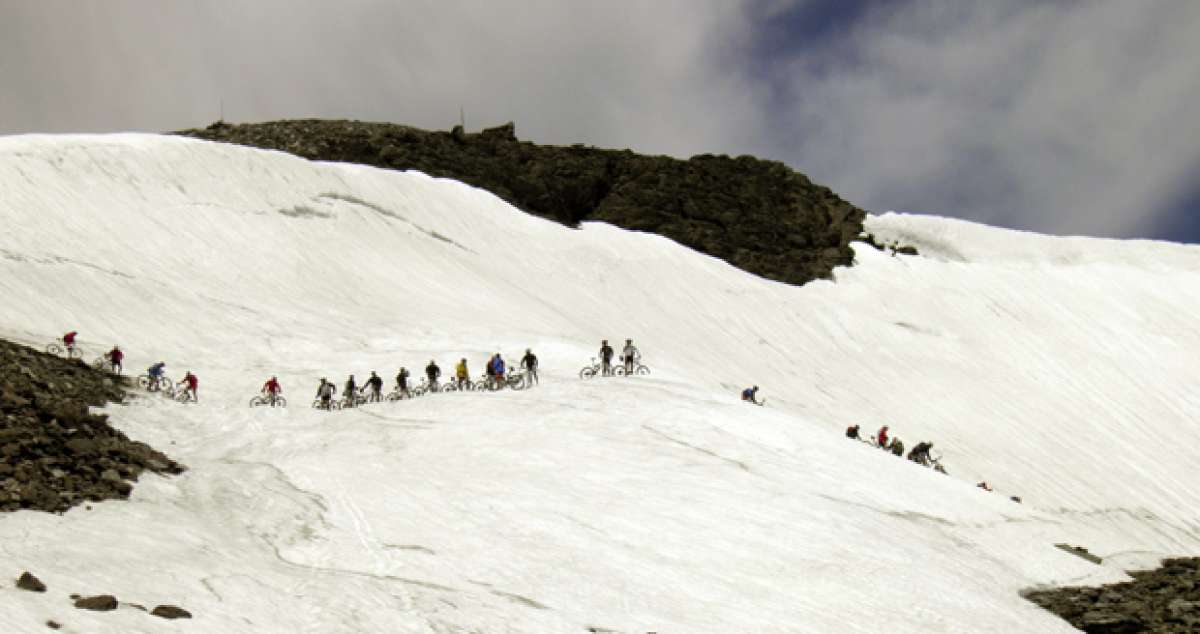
(54, 453)
(760, 216)
(1166, 599)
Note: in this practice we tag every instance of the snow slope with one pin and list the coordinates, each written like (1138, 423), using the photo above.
(1057, 369)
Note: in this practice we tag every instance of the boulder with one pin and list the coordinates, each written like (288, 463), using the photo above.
(99, 603)
(31, 583)
(171, 612)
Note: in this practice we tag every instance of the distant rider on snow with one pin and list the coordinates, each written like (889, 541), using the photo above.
(376, 385)
(630, 355)
(115, 357)
(349, 391)
(155, 372)
(606, 355)
(326, 392)
(530, 363)
(749, 394)
(461, 374)
(402, 382)
(432, 372)
(272, 389)
(191, 383)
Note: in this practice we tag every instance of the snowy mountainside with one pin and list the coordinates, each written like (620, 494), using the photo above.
(1056, 369)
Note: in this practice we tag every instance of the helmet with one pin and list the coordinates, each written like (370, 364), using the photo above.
(604, 341)
(629, 341)
(755, 388)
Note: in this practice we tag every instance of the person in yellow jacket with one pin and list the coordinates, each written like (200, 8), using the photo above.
(461, 374)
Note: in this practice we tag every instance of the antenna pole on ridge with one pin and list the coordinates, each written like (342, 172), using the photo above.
(462, 118)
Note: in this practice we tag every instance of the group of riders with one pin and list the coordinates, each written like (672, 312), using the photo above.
(918, 454)
(630, 356)
(372, 390)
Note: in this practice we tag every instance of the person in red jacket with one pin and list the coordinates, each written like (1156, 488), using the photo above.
(69, 342)
(115, 357)
(272, 389)
(192, 383)
(882, 438)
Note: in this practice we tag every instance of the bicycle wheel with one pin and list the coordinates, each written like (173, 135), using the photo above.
(619, 370)
(54, 348)
(258, 401)
(450, 387)
(587, 372)
(99, 363)
(280, 401)
(74, 353)
(143, 381)
(642, 370)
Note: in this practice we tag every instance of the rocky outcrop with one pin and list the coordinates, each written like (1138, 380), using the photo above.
(31, 583)
(98, 603)
(54, 453)
(758, 215)
(171, 612)
(1163, 600)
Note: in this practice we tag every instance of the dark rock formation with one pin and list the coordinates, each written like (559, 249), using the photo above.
(1163, 600)
(99, 603)
(758, 215)
(29, 582)
(54, 625)
(171, 612)
(54, 454)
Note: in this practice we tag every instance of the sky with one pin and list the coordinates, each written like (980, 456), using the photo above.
(1059, 117)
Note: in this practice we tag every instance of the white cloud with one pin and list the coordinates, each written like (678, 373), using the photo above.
(1060, 117)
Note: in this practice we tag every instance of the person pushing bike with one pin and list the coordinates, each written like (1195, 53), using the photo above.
(326, 391)
(630, 355)
(530, 363)
(606, 355)
(376, 385)
(191, 383)
(402, 382)
(461, 374)
(271, 389)
(349, 390)
(432, 372)
(115, 357)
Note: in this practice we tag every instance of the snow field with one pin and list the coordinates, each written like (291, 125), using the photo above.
(1056, 369)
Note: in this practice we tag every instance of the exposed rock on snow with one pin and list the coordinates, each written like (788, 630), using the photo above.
(98, 603)
(1166, 599)
(758, 215)
(54, 454)
(29, 582)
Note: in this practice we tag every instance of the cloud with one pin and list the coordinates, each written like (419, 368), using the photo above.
(658, 76)
(1059, 117)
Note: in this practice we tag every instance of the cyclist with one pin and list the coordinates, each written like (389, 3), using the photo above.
(349, 390)
(882, 437)
(630, 354)
(272, 389)
(498, 368)
(402, 382)
(155, 372)
(852, 432)
(376, 385)
(326, 392)
(749, 394)
(606, 355)
(897, 447)
(530, 363)
(461, 374)
(115, 357)
(192, 383)
(69, 342)
(920, 453)
(432, 372)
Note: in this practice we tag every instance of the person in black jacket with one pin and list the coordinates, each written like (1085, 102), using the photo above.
(530, 363)
(432, 372)
(349, 391)
(376, 385)
(606, 355)
(402, 382)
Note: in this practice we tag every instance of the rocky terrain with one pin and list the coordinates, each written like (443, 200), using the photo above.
(54, 453)
(760, 216)
(1166, 599)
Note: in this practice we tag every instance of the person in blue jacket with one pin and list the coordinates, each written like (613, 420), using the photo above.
(749, 394)
(498, 369)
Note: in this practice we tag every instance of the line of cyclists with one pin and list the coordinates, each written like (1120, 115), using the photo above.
(371, 391)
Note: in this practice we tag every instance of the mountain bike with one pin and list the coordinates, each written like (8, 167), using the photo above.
(265, 400)
(333, 404)
(590, 370)
(638, 368)
(398, 395)
(56, 348)
(164, 385)
(515, 380)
